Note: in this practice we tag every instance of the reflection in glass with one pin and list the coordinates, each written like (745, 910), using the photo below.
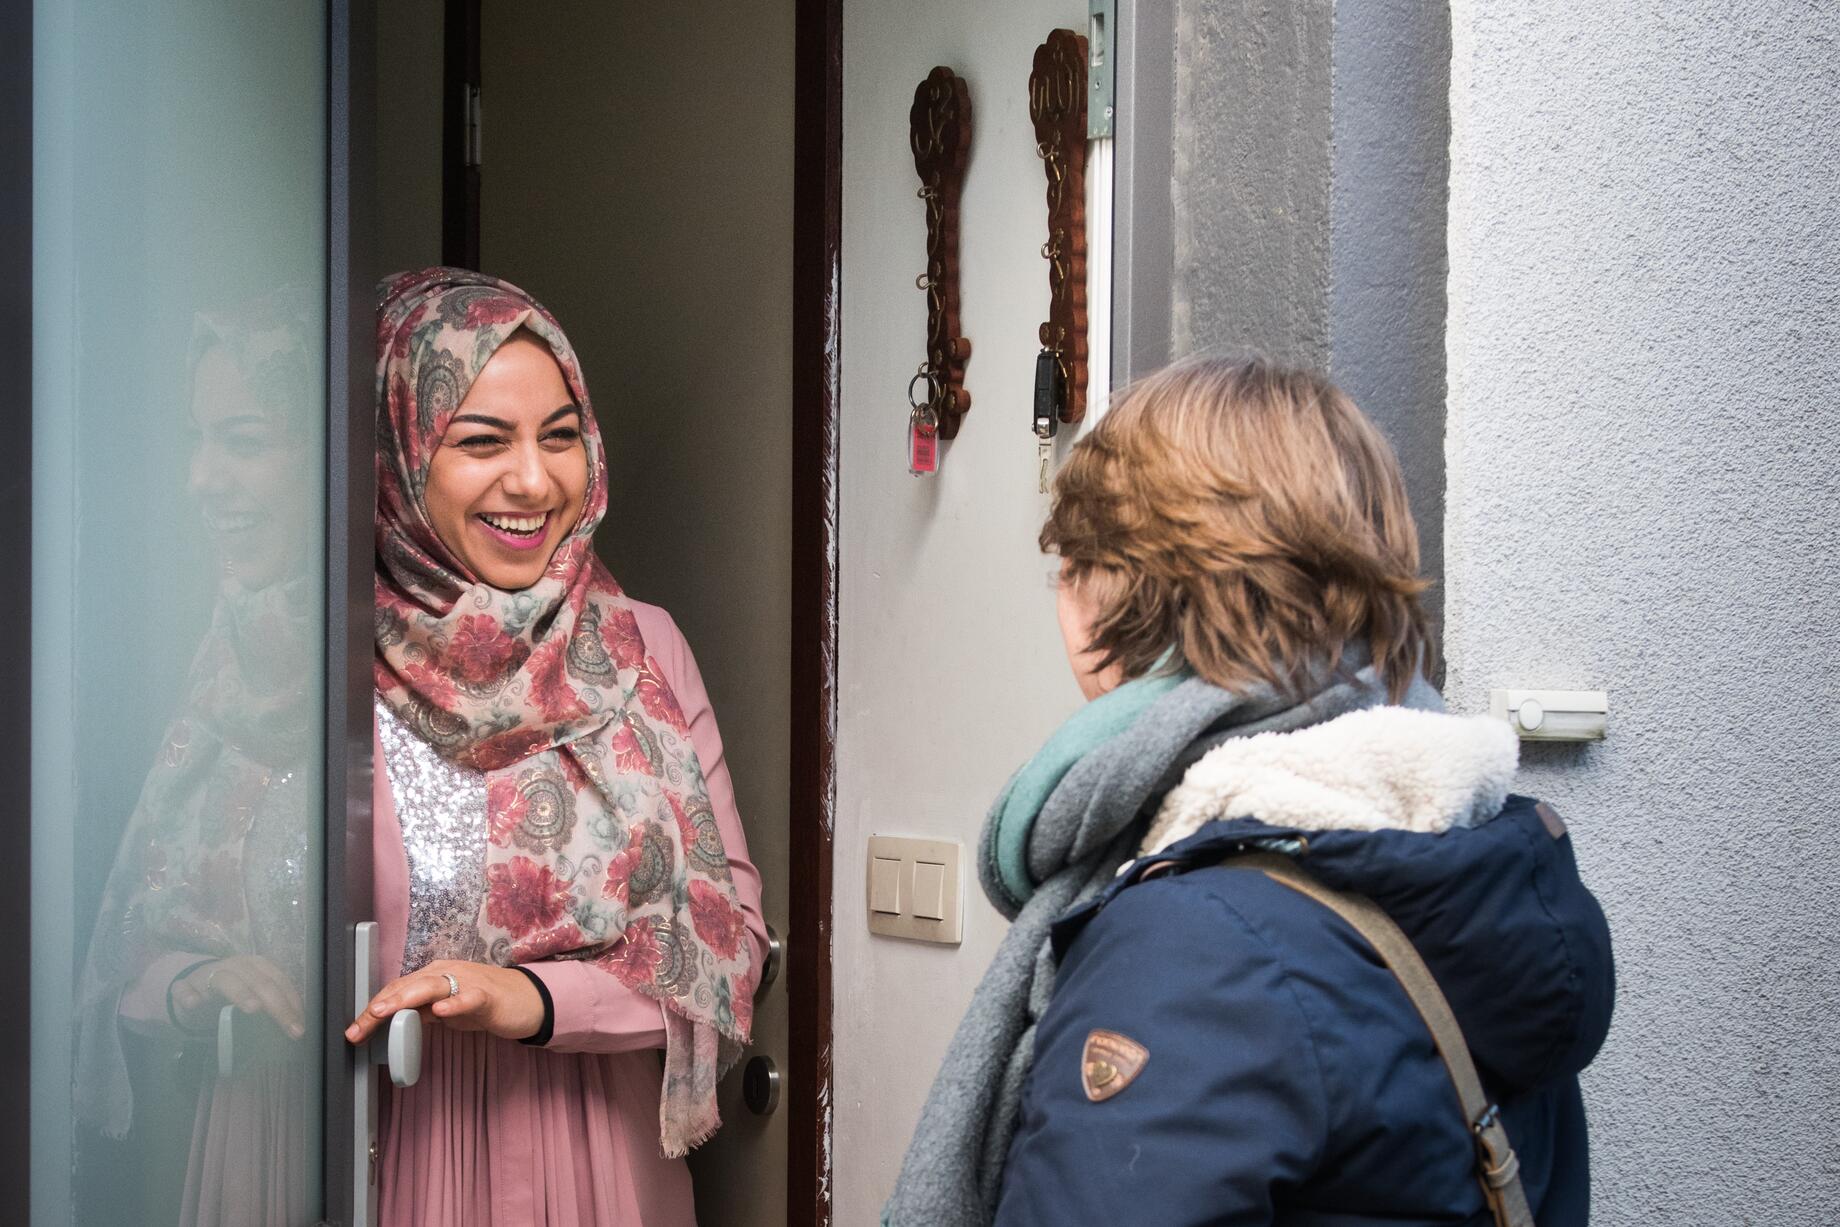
(178, 458)
(210, 906)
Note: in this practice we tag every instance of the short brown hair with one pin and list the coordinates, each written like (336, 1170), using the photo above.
(1250, 517)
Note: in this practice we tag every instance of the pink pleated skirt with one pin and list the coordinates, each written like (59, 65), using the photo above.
(498, 1134)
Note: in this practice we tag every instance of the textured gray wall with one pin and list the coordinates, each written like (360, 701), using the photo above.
(1252, 178)
(1311, 156)
(1390, 164)
(1642, 437)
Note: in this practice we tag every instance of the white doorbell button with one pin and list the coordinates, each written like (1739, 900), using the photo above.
(1553, 715)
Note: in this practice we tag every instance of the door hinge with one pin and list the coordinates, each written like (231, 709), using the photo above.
(471, 103)
(1101, 37)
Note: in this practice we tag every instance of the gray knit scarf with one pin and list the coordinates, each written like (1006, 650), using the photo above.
(1088, 827)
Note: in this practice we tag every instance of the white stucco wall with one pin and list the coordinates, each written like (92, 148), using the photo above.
(950, 670)
(1643, 356)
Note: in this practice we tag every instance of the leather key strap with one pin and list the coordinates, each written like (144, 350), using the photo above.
(1497, 1169)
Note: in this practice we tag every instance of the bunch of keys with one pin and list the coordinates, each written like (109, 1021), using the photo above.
(1049, 388)
(922, 429)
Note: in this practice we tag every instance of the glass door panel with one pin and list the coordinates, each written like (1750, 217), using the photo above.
(179, 418)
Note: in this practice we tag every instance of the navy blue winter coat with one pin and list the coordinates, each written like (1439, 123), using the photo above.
(1289, 1080)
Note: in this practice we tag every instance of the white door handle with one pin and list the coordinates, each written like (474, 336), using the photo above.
(400, 1048)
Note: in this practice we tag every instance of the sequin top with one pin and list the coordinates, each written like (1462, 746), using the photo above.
(442, 808)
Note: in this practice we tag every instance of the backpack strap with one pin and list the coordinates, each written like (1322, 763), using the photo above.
(1497, 1168)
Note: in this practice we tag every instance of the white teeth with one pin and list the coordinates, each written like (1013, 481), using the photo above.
(515, 524)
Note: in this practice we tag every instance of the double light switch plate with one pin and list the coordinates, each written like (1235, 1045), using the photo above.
(915, 889)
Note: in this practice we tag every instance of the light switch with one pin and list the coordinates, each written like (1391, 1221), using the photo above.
(885, 885)
(916, 889)
(929, 890)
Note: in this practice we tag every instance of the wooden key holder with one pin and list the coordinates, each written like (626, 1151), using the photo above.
(1057, 105)
(940, 133)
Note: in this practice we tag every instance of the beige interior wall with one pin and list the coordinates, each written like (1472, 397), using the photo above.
(637, 178)
(408, 133)
(951, 669)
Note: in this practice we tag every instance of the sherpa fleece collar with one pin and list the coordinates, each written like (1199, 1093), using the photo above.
(1379, 769)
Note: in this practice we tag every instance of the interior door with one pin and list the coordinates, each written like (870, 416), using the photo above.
(199, 627)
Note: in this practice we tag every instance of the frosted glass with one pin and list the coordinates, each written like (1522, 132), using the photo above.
(178, 520)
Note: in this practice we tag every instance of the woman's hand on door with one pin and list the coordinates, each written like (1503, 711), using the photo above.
(498, 1000)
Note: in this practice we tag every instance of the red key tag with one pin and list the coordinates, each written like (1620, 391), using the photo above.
(923, 441)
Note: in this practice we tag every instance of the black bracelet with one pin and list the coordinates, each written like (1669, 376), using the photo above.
(172, 1015)
(548, 1029)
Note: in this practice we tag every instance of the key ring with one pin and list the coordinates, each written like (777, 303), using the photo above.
(932, 387)
(453, 985)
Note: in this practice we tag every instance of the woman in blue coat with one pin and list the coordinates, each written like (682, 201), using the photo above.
(1169, 1037)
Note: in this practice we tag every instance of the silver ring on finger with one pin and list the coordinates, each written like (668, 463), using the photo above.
(453, 985)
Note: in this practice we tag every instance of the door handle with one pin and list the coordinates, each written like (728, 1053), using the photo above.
(770, 969)
(398, 1048)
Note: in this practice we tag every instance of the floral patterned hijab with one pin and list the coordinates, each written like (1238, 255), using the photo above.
(602, 844)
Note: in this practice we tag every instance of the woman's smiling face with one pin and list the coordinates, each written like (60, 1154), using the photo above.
(506, 484)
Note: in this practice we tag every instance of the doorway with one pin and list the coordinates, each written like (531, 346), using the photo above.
(638, 171)
(200, 222)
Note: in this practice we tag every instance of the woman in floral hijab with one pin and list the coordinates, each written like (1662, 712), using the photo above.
(560, 870)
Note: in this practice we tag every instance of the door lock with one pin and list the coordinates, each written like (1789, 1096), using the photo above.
(760, 1086)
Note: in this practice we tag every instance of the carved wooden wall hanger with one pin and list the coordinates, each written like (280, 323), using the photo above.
(940, 133)
(1057, 105)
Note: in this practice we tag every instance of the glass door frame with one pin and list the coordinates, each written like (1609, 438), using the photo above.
(352, 274)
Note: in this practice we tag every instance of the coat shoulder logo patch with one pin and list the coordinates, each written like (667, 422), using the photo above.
(1110, 1063)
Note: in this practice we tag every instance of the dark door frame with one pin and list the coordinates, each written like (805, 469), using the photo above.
(817, 325)
(817, 260)
(460, 83)
(16, 603)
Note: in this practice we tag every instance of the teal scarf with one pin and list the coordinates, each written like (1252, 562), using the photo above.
(1006, 831)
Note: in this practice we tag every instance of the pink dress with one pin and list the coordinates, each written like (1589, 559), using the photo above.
(502, 1134)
